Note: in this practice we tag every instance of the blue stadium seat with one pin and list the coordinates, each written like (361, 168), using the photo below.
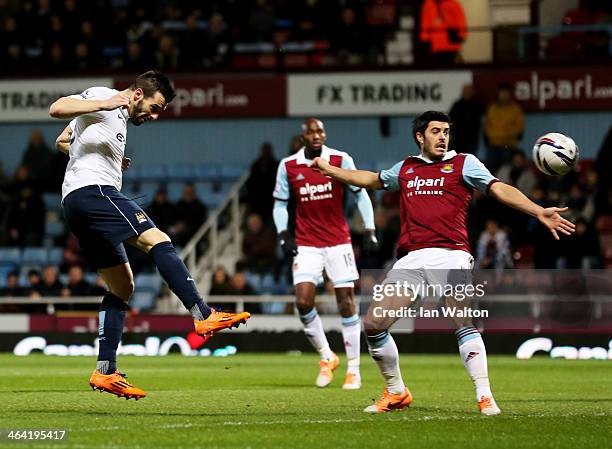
(213, 199)
(56, 255)
(91, 278)
(143, 300)
(232, 172)
(33, 255)
(175, 190)
(4, 271)
(53, 201)
(153, 172)
(267, 284)
(150, 282)
(254, 280)
(133, 174)
(182, 172)
(206, 172)
(54, 228)
(10, 256)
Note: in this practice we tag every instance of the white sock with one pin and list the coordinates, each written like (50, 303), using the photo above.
(351, 334)
(384, 352)
(313, 328)
(474, 356)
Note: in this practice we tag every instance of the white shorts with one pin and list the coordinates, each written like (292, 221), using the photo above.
(432, 267)
(435, 258)
(338, 262)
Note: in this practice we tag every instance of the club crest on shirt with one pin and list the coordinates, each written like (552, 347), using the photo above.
(447, 168)
(140, 217)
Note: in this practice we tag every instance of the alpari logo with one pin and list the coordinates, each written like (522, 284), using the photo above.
(544, 90)
(312, 192)
(418, 182)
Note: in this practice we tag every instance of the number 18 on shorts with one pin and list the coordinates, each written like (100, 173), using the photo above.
(338, 262)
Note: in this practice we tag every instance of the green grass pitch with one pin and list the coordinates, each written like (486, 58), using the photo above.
(270, 401)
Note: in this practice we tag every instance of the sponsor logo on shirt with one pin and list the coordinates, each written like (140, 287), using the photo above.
(120, 137)
(314, 192)
(299, 177)
(415, 186)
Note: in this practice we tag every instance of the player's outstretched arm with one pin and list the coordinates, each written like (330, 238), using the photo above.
(62, 143)
(69, 107)
(549, 217)
(360, 178)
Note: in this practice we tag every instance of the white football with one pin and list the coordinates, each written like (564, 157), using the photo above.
(555, 154)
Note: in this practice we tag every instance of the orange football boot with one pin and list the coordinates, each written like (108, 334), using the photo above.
(116, 384)
(218, 320)
(488, 406)
(326, 370)
(388, 402)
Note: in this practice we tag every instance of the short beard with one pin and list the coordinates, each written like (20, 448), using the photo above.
(137, 110)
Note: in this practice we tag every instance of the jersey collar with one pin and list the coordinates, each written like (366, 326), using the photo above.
(124, 112)
(449, 154)
(301, 155)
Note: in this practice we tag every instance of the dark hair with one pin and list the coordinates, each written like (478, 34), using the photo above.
(504, 85)
(154, 81)
(420, 124)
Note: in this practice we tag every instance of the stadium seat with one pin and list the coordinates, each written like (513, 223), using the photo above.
(146, 191)
(54, 228)
(133, 174)
(153, 173)
(206, 172)
(143, 300)
(181, 172)
(53, 201)
(214, 199)
(4, 271)
(35, 256)
(150, 282)
(10, 256)
(254, 280)
(175, 190)
(231, 172)
(56, 255)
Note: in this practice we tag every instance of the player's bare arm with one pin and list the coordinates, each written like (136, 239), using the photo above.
(360, 178)
(62, 143)
(67, 107)
(549, 217)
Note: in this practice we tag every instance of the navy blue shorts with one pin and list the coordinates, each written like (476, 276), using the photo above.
(102, 218)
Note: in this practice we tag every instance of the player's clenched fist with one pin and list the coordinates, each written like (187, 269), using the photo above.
(117, 101)
(321, 165)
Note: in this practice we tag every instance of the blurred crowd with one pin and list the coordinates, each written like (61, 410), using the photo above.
(64, 35)
(69, 36)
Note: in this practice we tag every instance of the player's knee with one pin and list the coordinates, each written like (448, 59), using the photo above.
(373, 325)
(123, 290)
(304, 304)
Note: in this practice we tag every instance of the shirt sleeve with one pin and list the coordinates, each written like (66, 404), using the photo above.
(281, 189)
(349, 164)
(476, 175)
(390, 178)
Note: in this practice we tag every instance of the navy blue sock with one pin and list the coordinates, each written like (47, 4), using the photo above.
(176, 275)
(112, 316)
